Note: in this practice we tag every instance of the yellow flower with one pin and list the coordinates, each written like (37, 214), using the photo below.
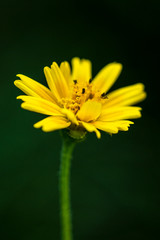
(76, 101)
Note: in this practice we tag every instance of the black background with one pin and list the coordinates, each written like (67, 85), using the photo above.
(115, 180)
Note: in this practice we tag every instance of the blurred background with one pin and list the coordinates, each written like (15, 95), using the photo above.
(115, 180)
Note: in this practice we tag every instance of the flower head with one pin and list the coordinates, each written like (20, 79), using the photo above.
(76, 101)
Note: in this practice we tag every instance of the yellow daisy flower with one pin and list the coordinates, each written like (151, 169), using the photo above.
(76, 101)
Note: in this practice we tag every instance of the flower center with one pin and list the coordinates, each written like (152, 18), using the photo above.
(80, 93)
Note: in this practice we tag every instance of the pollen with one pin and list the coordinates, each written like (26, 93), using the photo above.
(80, 93)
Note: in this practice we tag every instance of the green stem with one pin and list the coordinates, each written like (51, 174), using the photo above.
(64, 181)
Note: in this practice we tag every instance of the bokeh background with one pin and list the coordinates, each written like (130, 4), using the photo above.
(115, 180)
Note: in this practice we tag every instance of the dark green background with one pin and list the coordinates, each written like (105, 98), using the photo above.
(115, 180)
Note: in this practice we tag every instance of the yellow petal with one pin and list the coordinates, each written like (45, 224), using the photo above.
(52, 123)
(19, 84)
(89, 111)
(70, 115)
(39, 105)
(91, 128)
(126, 96)
(59, 80)
(75, 68)
(37, 88)
(123, 125)
(66, 71)
(107, 77)
(81, 70)
(119, 113)
(113, 127)
(51, 83)
(135, 99)
(106, 126)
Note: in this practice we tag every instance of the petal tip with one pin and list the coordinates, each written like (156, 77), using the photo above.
(36, 125)
(18, 75)
(18, 97)
(98, 134)
(15, 82)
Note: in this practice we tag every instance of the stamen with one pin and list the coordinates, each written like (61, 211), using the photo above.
(83, 90)
(81, 93)
(90, 80)
(104, 95)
